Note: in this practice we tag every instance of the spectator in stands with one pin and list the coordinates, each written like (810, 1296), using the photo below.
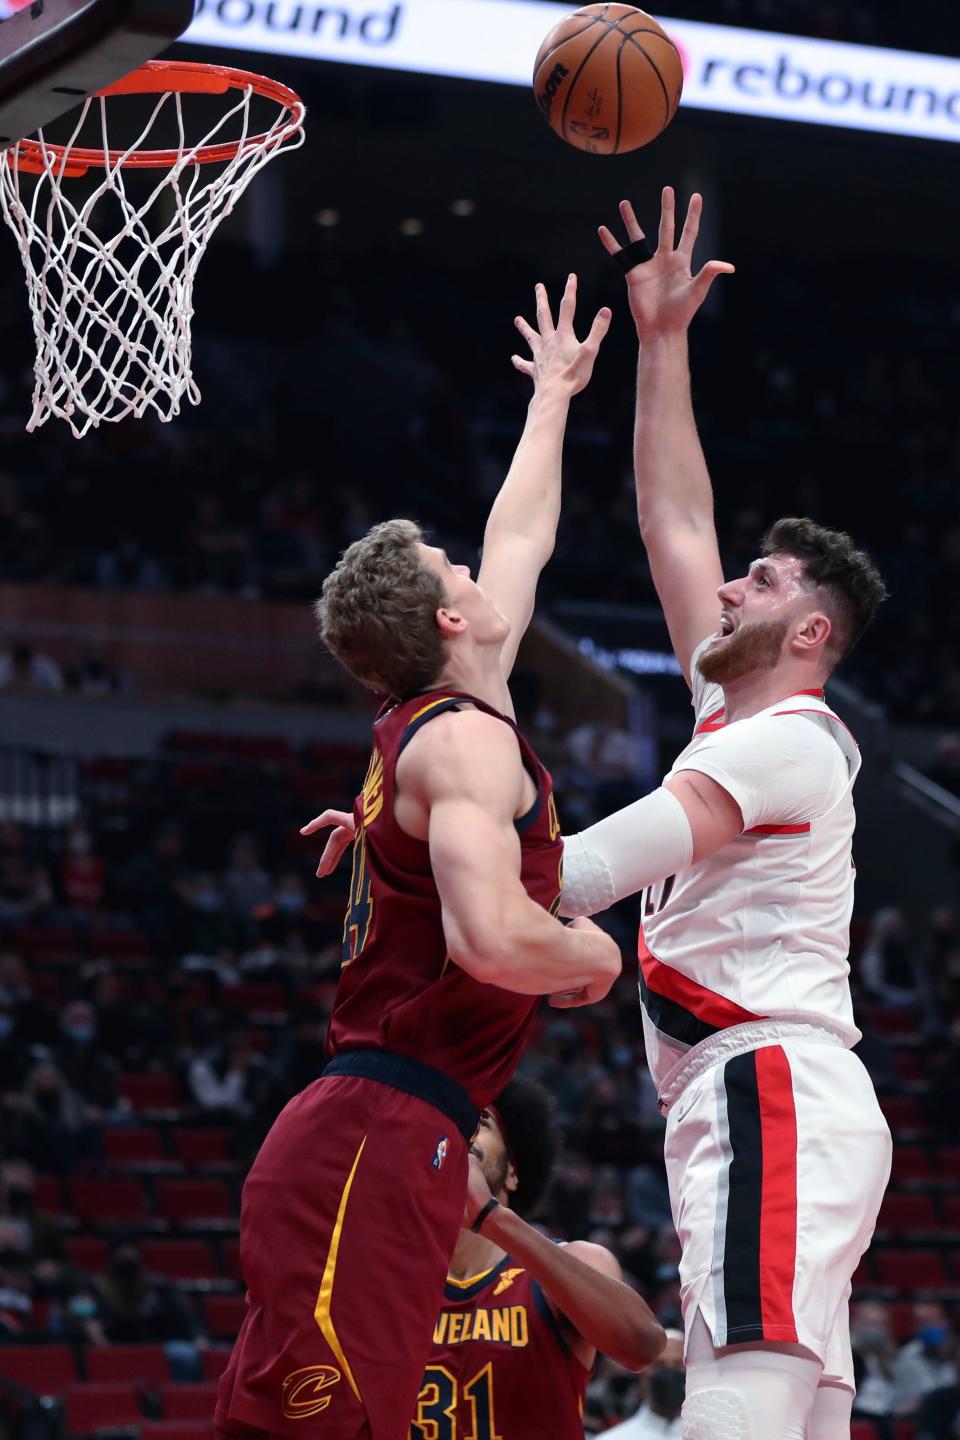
(46, 1125)
(83, 873)
(136, 1309)
(928, 1362)
(90, 1075)
(247, 888)
(148, 884)
(23, 668)
(888, 965)
(874, 1356)
(40, 1235)
(32, 1020)
(224, 1077)
(80, 1315)
(25, 889)
(662, 1390)
(93, 676)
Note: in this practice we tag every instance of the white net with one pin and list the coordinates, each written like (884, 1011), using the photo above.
(110, 278)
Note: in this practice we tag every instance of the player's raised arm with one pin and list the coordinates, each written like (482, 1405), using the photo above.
(522, 527)
(464, 773)
(674, 495)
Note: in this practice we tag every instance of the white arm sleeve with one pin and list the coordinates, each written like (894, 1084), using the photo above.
(633, 848)
(780, 769)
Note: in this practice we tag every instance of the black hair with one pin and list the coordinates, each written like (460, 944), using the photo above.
(532, 1136)
(833, 563)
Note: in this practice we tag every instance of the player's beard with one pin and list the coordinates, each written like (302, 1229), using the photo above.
(756, 646)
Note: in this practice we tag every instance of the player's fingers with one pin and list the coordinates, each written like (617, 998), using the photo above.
(691, 226)
(544, 315)
(609, 241)
(668, 221)
(599, 328)
(709, 273)
(329, 817)
(524, 366)
(332, 852)
(628, 216)
(568, 1000)
(568, 305)
(528, 332)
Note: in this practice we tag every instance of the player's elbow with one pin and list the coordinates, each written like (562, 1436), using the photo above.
(643, 1343)
(477, 945)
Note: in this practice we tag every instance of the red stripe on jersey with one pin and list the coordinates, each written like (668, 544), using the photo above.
(707, 1005)
(715, 721)
(779, 830)
(712, 722)
(778, 1206)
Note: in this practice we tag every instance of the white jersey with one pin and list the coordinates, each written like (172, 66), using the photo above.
(759, 929)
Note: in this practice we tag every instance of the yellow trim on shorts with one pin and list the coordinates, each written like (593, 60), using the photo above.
(321, 1312)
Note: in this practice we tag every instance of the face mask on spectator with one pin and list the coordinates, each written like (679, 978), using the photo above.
(871, 1337)
(932, 1336)
(291, 902)
(80, 1034)
(83, 1307)
(207, 900)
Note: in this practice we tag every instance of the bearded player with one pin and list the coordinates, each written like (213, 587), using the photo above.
(449, 941)
(777, 1153)
(522, 1318)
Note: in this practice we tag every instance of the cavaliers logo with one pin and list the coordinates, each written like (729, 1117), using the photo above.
(507, 1279)
(305, 1391)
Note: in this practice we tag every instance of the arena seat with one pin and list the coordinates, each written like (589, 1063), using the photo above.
(862, 1430)
(905, 1430)
(949, 1157)
(912, 1269)
(151, 1091)
(214, 1361)
(134, 1147)
(185, 1201)
(951, 1211)
(903, 1112)
(48, 1195)
(202, 1147)
(178, 1259)
(46, 1369)
(223, 1315)
(256, 997)
(101, 1407)
(117, 1201)
(188, 1402)
(231, 1260)
(911, 1162)
(88, 1252)
(903, 1213)
(132, 1364)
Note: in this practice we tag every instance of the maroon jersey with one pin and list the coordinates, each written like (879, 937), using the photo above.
(500, 1368)
(399, 989)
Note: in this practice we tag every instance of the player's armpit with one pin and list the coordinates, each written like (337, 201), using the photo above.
(714, 815)
(685, 566)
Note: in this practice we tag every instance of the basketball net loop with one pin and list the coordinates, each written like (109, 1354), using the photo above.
(112, 315)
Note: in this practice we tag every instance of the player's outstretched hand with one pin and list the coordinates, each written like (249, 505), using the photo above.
(559, 358)
(341, 838)
(478, 1192)
(664, 292)
(608, 968)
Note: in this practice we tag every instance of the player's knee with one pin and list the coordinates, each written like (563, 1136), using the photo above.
(714, 1414)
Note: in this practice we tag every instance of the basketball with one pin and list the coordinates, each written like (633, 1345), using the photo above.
(608, 78)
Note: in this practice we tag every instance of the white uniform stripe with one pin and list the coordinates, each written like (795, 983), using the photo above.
(723, 1200)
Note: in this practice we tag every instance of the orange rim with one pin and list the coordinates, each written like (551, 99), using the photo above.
(158, 77)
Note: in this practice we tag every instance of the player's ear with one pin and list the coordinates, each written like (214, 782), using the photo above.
(814, 632)
(451, 623)
(511, 1182)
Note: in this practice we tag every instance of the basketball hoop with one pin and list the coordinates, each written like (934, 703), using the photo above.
(112, 311)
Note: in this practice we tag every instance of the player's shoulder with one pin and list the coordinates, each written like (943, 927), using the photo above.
(461, 748)
(598, 1257)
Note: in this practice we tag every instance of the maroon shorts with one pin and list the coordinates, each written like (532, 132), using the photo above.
(349, 1216)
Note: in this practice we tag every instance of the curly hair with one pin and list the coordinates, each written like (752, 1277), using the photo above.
(852, 584)
(377, 612)
(532, 1136)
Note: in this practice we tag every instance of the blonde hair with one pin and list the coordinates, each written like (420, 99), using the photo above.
(377, 612)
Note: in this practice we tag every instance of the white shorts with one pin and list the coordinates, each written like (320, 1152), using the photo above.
(777, 1159)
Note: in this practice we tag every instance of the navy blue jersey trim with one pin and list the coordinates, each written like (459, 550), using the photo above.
(458, 1292)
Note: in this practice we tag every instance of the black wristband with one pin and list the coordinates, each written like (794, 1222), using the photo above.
(632, 255)
(492, 1204)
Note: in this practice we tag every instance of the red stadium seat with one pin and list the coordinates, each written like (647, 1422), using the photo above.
(120, 944)
(186, 1200)
(48, 1195)
(231, 1258)
(892, 1020)
(133, 1147)
(133, 1364)
(905, 1430)
(224, 1315)
(202, 1147)
(862, 1430)
(188, 1402)
(903, 1112)
(256, 997)
(46, 1369)
(911, 1162)
(45, 987)
(178, 1259)
(150, 1092)
(951, 1211)
(214, 1362)
(55, 944)
(905, 1213)
(912, 1269)
(176, 1430)
(901, 1320)
(101, 1407)
(109, 1202)
(908, 1066)
(88, 1252)
(949, 1157)
(864, 1277)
